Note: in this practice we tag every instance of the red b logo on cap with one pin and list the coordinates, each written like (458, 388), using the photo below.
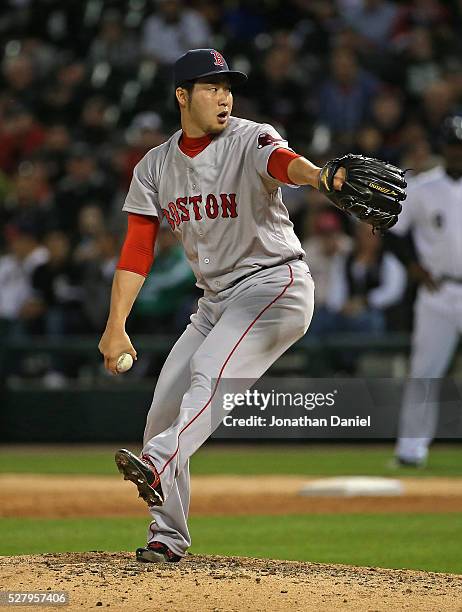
(219, 59)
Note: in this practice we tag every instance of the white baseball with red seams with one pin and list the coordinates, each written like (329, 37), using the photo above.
(124, 363)
(258, 293)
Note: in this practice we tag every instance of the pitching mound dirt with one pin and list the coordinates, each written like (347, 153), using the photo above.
(227, 584)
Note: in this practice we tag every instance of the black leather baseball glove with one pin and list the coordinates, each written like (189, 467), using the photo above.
(373, 189)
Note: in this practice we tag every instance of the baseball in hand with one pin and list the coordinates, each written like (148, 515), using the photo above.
(124, 363)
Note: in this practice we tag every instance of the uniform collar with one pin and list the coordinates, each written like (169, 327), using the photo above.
(193, 146)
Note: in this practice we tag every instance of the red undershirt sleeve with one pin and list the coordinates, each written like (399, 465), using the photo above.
(137, 252)
(278, 164)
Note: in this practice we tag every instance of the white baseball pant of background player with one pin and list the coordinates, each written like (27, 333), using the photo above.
(235, 334)
(433, 211)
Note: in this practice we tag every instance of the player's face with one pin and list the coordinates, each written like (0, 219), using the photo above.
(210, 106)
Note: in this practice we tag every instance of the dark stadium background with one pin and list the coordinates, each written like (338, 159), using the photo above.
(85, 92)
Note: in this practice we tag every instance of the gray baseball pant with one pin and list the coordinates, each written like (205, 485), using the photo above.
(235, 334)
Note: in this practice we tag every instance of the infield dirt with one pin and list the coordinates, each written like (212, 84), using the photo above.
(90, 496)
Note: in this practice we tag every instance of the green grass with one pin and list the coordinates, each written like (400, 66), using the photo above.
(60, 461)
(370, 539)
(306, 460)
(321, 461)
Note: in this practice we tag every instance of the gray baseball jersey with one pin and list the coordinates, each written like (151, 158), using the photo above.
(222, 204)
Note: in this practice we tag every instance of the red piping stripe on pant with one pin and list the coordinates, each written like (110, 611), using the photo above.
(226, 362)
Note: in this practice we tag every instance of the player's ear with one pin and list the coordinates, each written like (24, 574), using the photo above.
(179, 95)
(182, 96)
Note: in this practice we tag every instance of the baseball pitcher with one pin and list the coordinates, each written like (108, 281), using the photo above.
(217, 183)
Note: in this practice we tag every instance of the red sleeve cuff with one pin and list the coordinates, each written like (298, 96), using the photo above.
(278, 164)
(137, 252)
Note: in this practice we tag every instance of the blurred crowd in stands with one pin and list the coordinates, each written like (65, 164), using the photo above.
(86, 91)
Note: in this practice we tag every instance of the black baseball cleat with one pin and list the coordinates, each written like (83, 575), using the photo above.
(401, 462)
(143, 474)
(156, 552)
(412, 463)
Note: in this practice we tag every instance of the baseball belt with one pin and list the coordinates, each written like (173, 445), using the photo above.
(450, 279)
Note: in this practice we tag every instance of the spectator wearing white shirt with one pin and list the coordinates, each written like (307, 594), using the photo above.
(18, 306)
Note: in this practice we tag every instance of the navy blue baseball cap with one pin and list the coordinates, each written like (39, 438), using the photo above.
(200, 63)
